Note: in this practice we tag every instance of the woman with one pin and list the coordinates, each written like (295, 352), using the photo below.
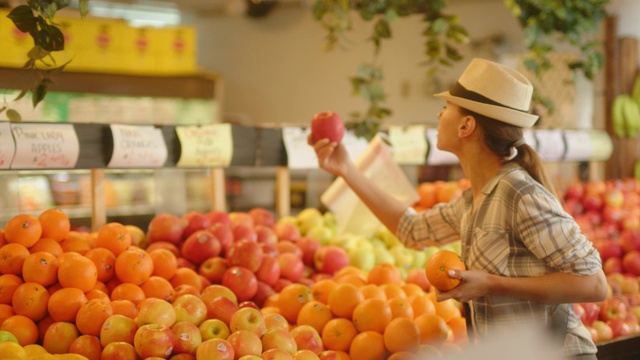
(526, 259)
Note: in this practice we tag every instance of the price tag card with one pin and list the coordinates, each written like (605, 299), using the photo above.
(300, 154)
(409, 144)
(7, 146)
(530, 138)
(137, 146)
(579, 145)
(435, 155)
(601, 145)
(205, 146)
(355, 145)
(550, 144)
(45, 146)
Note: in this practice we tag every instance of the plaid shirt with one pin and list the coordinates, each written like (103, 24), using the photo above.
(519, 230)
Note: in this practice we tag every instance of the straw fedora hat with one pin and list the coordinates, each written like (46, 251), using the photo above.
(493, 90)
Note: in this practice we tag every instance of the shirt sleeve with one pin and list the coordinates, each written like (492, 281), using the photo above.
(554, 236)
(440, 224)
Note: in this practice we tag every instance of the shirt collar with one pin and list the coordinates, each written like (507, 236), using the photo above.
(504, 170)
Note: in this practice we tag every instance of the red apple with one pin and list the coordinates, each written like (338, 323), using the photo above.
(279, 338)
(612, 215)
(307, 338)
(573, 207)
(262, 216)
(239, 217)
(118, 328)
(287, 231)
(270, 249)
(215, 349)
(619, 327)
(249, 319)
(603, 330)
(248, 303)
(222, 308)
(608, 248)
(118, 351)
(214, 290)
(326, 125)
(173, 248)
(214, 329)
(59, 336)
(331, 355)
(186, 337)
(200, 246)
(305, 355)
(329, 259)
(243, 231)
(263, 292)
(419, 277)
(219, 217)
(224, 234)
(591, 313)
(274, 354)
(269, 270)
(309, 246)
(245, 253)
(241, 281)
(265, 235)
(165, 227)
(631, 262)
(213, 268)
(614, 198)
(285, 246)
(612, 265)
(153, 340)
(631, 223)
(281, 284)
(190, 308)
(629, 286)
(155, 311)
(88, 346)
(194, 221)
(574, 191)
(291, 266)
(612, 308)
(244, 343)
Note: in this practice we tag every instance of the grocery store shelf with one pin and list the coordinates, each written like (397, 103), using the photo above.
(625, 348)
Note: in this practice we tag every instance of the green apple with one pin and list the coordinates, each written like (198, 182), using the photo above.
(404, 259)
(7, 336)
(362, 257)
(387, 237)
(355, 242)
(419, 258)
(455, 246)
(329, 220)
(377, 243)
(289, 219)
(322, 233)
(430, 250)
(383, 255)
(309, 218)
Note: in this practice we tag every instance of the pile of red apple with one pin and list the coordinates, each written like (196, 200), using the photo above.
(608, 213)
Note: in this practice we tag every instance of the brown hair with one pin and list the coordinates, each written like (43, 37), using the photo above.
(500, 137)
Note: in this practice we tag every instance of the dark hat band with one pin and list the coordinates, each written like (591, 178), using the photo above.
(460, 91)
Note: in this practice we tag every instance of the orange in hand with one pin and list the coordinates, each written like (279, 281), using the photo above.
(438, 266)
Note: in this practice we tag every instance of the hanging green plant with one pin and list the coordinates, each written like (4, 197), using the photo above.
(37, 19)
(545, 23)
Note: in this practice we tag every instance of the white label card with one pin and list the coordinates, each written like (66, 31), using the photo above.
(137, 146)
(44, 146)
(300, 154)
(7, 146)
(205, 146)
(436, 156)
(550, 144)
(579, 145)
(409, 144)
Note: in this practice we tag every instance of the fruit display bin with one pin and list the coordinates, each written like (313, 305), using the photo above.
(626, 348)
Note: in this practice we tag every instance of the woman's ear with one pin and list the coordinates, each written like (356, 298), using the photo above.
(467, 126)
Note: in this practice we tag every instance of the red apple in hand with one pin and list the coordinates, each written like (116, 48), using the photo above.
(326, 125)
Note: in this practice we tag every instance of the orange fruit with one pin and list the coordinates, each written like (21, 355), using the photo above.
(400, 308)
(92, 315)
(23, 328)
(88, 346)
(343, 299)
(320, 290)
(158, 287)
(393, 291)
(185, 289)
(8, 285)
(433, 329)
(458, 326)
(134, 265)
(165, 263)
(188, 276)
(412, 289)
(384, 273)
(77, 271)
(105, 262)
(113, 236)
(438, 266)
(348, 270)
(355, 279)
(314, 313)
(98, 294)
(64, 304)
(43, 325)
(368, 345)
(401, 334)
(338, 333)
(124, 307)
(12, 257)
(30, 299)
(373, 291)
(23, 229)
(59, 337)
(422, 304)
(128, 291)
(447, 309)
(292, 298)
(55, 224)
(403, 355)
(6, 311)
(121, 350)
(41, 267)
(76, 244)
(48, 245)
(372, 314)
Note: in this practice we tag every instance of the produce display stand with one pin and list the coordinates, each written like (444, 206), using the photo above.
(625, 348)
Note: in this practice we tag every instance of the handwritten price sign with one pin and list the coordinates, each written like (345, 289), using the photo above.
(205, 146)
(7, 146)
(137, 146)
(45, 146)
